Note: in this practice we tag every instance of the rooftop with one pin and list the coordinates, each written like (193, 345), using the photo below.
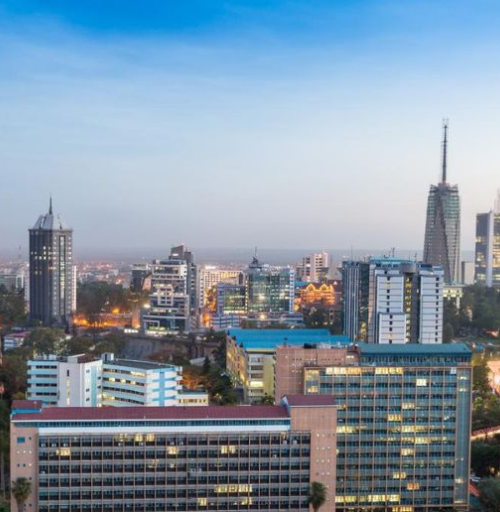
(310, 400)
(214, 412)
(446, 349)
(271, 338)
(143, 365)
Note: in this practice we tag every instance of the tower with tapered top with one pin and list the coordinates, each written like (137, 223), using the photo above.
(442, 229)
(51, 270)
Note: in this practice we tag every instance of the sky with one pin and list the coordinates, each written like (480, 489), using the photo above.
(279, 124)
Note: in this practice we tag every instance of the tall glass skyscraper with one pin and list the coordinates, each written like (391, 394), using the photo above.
(51, 270)
(442, 230)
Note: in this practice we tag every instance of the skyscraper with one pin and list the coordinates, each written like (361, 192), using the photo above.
(51, 270)
(388, 300)
(442, 230)
(487, 269)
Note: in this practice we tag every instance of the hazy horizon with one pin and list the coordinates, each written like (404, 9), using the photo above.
(221, 255)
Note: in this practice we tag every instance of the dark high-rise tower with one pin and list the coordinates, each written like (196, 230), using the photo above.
(442, 230)
(51, 270)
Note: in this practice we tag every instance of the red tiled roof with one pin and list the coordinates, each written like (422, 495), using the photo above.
(157, 413)
(310, 400)
(26, 404)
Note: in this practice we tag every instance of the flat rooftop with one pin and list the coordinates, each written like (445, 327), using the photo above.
(418, 349)
(212, 412)
(143, 365)
(269, 339)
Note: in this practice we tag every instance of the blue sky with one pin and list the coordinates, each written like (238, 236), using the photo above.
(227, 124)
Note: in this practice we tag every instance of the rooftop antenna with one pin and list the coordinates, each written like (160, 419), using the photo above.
(445, 150)
(497, 202)
(50, 205)
(393, 252)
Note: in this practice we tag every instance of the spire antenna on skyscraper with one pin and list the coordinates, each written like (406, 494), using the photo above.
(445, 150)
(50, 205)
(496, 208)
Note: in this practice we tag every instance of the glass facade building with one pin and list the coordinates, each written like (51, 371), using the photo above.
(487, 265)
(269, 289)
(403, 427)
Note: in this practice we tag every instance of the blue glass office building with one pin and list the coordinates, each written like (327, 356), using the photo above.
(403, 431)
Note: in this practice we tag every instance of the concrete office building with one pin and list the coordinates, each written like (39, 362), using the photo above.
(314, 268)
(173, 299)
(442, 228)
(403, 428)
(250, 355)
(128, 383)
(175, 458)
(89, 381)
(51, 286)
(391, 300)
(72, 381)
(210, 276)
(487, 269)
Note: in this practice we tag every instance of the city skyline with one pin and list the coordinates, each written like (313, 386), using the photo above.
(271, 107)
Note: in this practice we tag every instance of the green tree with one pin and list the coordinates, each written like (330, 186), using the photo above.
(485, 458)
(267, 400)
(21, 490)
(317, 495)
(489, 491)
(43, 341)
(13, 372)
(448, 333)
(480, 382)
(114, 342)
(78, 345)
(206, 366)
(12, 307)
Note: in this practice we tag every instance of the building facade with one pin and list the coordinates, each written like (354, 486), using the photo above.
(173, 299)
(269, 289)
(250, 356)
(403, 428)
(211, 276)
(89, 381)
(442, 229)
(487, 270)
(127, 383)
(314, 268)
(72, 381)
(390, 300)
(173, 459)
(51, 286)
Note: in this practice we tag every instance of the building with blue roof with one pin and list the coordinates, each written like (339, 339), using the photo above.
(250, 355)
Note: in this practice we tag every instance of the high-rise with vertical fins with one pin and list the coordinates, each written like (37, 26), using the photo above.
(51, 270)
(442, 230)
